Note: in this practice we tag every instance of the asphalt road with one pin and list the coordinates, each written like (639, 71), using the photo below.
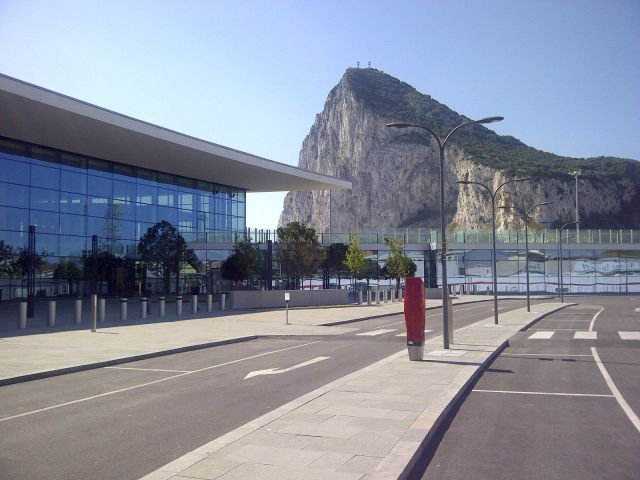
(555, 405)
(123, 422)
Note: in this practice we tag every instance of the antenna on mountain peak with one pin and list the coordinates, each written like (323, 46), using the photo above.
(369, 64)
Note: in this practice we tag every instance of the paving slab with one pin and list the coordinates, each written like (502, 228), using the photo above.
(341, 430)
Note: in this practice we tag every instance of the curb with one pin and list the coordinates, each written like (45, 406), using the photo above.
(462, 394)
(117, 361)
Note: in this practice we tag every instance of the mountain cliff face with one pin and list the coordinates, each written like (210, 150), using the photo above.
(395, 172)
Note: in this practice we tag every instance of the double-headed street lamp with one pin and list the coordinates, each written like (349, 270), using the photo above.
(446, 330)
(560, 266)
(493, 194)
(527, 218)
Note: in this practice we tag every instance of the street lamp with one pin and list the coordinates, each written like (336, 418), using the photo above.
(493, 223)
(560, 266)
(577, 173)
(447, 332)
(527, 218)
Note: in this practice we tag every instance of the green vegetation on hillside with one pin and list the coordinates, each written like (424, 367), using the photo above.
(401, 102)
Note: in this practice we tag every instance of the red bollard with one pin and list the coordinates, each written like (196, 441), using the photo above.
(414, 314)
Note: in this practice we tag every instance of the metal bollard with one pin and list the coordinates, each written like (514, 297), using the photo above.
(209, 302)
(102, 310)
(179, 305)
(377, 295)
(161, 306)
(368, 297)
(22, 320)
(143, 308)
(51, 321)
(223, 301)
(359, 297)
(94, 312)
(77, 311)
(194, 304)
(123, 309)
(393, 295)
(385, 295)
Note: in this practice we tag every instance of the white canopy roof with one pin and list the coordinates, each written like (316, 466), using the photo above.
(37, 115)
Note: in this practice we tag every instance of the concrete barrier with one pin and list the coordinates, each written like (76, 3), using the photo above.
(298, 298)
(194, 304)
(209, 303)
(123, 309)
(102, 310)
(143, 308)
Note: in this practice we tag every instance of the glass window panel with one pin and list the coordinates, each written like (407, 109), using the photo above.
(73, 203)
(185, 183)
(98, 226)
(45, 222)
(45, 177)
(15, 239)
(166, 197)
(240, 195)
(12, 147)
(74, 163)
(73, 246)
(124, 210)
(141, 228)
(147, 177)
(47, 243)
(242, 210)
(146, 213)
(124, 172)
(73, 181)
(73, 224)
(43, 156)
(42, 199)
(124, 229)
(241, 223)
(97, 207)
(14, 195)
(204, 202)
(14, 172)
(14, 218)
(99, 168)
(124, 191)
(147, 194)
(100, 186)
(167, 181)
(186, 200)
(234, 208)
(169, 214)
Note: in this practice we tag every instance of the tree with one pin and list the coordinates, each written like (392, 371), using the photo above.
(244, 262)
(354, 258)
(8, 257)
(333, 262)
(397, 265)
(69, 271)
(164, 251)
(297, 252)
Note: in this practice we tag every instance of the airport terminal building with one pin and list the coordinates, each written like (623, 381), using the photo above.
(74, 171)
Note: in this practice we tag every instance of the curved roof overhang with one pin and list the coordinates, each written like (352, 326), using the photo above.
(37, 115)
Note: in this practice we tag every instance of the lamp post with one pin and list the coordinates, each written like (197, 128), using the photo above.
(560, 266)
(527, 218)
(577, 173)
(493, 194)
(447, 331)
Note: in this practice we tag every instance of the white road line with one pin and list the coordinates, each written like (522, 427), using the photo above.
(629, 335)
(374, 333)
(149, 369)
(556, 330)
(544, 355)
(541, 335)
(594, 319)
(545, 393)
(585, 335)
(404, 334)
(616, 393)
(93, 397)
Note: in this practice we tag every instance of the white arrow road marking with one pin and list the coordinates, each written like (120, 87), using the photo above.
(274, 371)
(405, 334)
(373, 333)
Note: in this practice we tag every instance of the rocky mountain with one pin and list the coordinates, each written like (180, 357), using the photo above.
(395, 172)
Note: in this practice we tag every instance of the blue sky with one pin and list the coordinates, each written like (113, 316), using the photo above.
(252, 75)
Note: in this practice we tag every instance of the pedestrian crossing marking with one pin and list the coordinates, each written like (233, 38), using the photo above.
(585, 335)
(541, 335)
(403, 334)
(374, 333)
(629, 335)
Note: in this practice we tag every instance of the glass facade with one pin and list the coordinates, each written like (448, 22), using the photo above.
(69, 198)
